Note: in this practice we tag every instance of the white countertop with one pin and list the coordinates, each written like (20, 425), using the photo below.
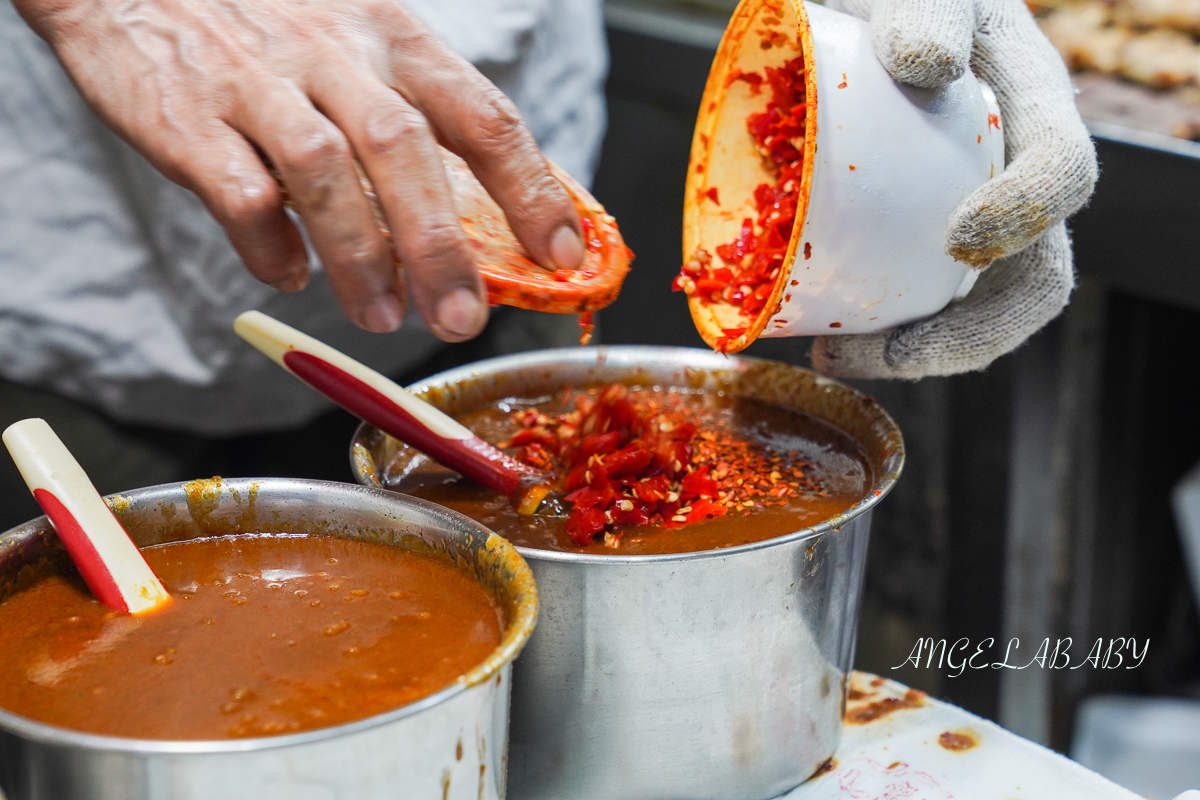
(900, 756)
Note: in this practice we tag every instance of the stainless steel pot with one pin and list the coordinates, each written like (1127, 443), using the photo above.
(717, 674)
(451, 744)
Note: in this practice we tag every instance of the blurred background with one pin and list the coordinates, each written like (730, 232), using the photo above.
(1036, 501)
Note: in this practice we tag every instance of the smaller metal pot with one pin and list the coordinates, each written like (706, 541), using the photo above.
(452, 744)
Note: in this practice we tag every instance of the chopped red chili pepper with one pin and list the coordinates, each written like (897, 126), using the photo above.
(700, 484)
(590, 239)
(634, 459)
(756, 256)
(587, 326)
(753, 78)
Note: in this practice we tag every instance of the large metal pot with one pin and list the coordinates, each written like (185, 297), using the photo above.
(451, 744)
(716, 674)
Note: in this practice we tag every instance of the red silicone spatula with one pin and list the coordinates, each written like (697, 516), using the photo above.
(105, 556)
(370, 396)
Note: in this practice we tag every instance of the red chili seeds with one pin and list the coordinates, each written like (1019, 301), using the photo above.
(751, 262)
(637, 458)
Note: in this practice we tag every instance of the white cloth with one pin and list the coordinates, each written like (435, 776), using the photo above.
(118, 289)
(1015, 219)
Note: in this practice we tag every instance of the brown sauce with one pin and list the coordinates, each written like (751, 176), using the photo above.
(964, 739)
(870, 712)
(837, 476)
(265, 635)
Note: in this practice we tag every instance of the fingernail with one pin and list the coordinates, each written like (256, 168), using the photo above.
(294, 282)
(460, 313)
(384, 314)
(566, 248)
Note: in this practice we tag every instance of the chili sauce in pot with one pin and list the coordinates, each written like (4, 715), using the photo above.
(265, 635)
(651, 471)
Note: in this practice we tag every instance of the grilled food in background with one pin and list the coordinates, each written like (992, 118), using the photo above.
(1148, 42)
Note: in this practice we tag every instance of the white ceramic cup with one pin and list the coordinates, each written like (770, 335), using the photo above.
(889, 164)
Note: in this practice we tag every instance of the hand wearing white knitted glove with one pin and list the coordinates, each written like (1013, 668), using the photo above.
(1014, 220)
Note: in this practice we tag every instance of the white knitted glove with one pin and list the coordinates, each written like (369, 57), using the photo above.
(1016, 217)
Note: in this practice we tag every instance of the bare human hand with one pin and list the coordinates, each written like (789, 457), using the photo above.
(198, 85)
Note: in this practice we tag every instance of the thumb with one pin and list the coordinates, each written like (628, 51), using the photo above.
(1051, 168)
(925, 43)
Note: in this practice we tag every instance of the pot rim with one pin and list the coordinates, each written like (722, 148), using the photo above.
(515, 637)
(688, 358)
